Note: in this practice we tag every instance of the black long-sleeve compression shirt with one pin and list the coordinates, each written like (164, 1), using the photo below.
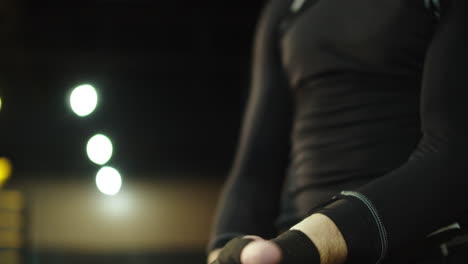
(366, 96)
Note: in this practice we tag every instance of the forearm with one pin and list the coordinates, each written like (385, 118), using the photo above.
(326, 236)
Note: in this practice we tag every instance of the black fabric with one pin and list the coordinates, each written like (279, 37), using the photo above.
(297, 248)
(232, 251)
(365, 247)
(376, 102)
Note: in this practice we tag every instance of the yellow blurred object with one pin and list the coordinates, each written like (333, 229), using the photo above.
(10, 219)
(10, 257)
(11, 200)
(0, 103)
(11, 239)
(12, 229)
(5, 170)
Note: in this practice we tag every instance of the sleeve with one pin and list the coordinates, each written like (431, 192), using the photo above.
(250, 199)
(429, 191)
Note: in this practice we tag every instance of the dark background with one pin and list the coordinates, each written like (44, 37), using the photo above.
(172, 77)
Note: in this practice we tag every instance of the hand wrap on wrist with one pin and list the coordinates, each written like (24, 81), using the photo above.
(231, 252)
(297, 248)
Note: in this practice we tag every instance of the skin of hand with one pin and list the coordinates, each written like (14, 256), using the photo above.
(319, 228)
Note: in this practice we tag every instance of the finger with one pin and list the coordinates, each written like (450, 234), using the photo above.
(213, 255)
(261, 252)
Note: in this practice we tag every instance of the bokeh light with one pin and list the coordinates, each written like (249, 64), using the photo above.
(99, 149)
(5, 170)
(108, 180)
(0, 104)
(83, 100)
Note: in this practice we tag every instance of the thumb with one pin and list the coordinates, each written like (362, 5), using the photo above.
(261, 252)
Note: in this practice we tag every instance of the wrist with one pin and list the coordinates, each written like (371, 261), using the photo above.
(296, 247)
(326, 236)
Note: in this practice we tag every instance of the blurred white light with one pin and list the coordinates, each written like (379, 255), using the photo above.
(99, 149)
(108, 180)
(83, 100)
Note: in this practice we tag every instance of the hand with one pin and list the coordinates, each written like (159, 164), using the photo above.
(314, 240)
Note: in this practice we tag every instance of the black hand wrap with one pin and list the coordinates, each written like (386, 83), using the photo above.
(231, 252)
(297, 248)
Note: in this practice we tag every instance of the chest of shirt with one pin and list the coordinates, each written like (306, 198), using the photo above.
(360, 35)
